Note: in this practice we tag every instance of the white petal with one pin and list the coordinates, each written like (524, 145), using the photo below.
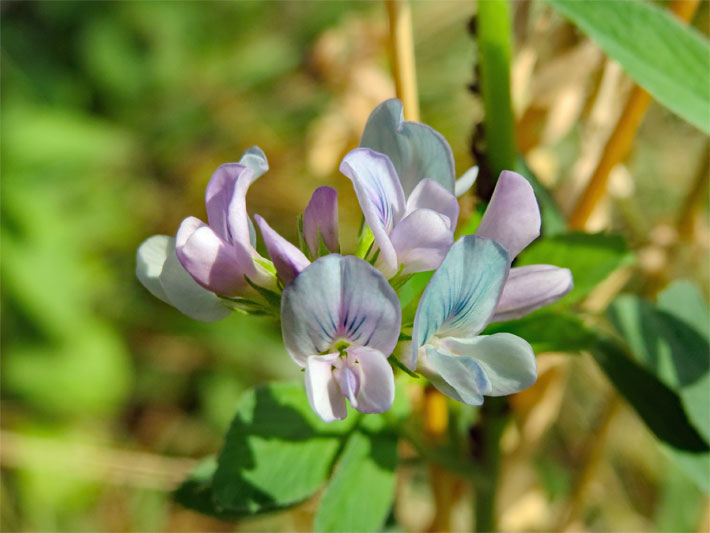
(465, 181)
(376, 382)
(150, 258)
(322, 390)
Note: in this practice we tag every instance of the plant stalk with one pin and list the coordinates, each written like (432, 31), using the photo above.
(404, 71)
(493, 36)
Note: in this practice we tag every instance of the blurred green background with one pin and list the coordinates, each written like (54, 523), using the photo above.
(114, 116)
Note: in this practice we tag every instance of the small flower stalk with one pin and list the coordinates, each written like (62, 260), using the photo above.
(340, 314)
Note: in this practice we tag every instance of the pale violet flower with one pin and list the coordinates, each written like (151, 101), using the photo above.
(340, 320)
(512, 219)
(455, 307)
(220, 255)
(411, 234)
(206, 261)
(416, 150)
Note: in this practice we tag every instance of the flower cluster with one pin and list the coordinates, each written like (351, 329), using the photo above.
(341, 317)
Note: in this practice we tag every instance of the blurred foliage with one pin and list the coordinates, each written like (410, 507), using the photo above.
(113, 117)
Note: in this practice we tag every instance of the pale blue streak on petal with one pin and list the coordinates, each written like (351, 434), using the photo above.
(507, 360)
(462, 294)
(464, 374)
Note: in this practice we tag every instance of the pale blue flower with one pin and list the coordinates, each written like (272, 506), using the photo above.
(455, 307)
(340, 320)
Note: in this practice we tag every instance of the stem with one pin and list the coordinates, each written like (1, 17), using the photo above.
(494, 416)
(494, 43)
(402, 53)
(619, 143)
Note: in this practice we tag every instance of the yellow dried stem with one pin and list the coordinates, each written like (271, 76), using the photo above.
(619, 143)
(402, 55)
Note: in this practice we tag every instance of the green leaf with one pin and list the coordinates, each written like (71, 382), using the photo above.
(361, 491)
(548, 331)
(277, 452)
(668, 59)
(590, 257)
(674, 349)
(657, 404)
(196, 491)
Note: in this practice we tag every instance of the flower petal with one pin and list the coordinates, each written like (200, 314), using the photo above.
(322, 389)
(463, 374)
(380, 195)
(531, 287)
(214, 264)
(507, 360)
(321, 215)
(231, 223)
(462, 294)
(422, 240)
(376, 392)
(187, 296)
(150, 258)
(255, 159)
(288, 260)
(228, 186)
(513, 216)
(339, 297)
(429, 194)
(465, 181)
(416, 150)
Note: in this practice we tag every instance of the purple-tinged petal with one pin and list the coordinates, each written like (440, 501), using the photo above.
(507, 360)
(462, 374)
(228, 186)
(376, 392)
(512, 217)
(429, 194)
(339, 298)
(322, 389)
(288, 260)
(531, 287)
(226, 192)
(462, 294)
(422, 240)
(380, 196)
(212, 263)
(321, 215)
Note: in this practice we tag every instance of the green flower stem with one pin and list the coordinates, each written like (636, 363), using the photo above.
(494, 38)
(494, 417)
(494, 51)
